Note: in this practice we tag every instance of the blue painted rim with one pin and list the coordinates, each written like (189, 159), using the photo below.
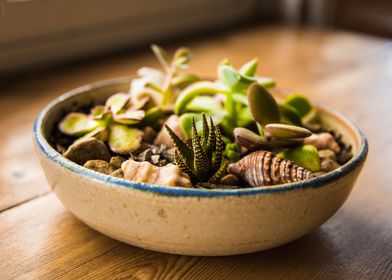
(57, 158)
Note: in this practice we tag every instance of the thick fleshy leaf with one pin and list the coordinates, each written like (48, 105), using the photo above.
(130, 117)
(306, 156)
(124, 139)
(249, 139)
(289, 115)
(301, 104)
(205, 104)
(249, 68)
(184, 79)
(228, 75)
(77, 124)
(194, 90)
(266, 82)
(262, 105)
(117, 102)
(186, 122)
(98, 112)
(279, 130)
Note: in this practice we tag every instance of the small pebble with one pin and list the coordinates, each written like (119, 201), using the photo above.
(99, 166)
(116, 161)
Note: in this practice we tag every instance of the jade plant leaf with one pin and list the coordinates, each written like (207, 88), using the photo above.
(117, 102)
(77, 124)
(123, 139)
(184, 79)
(262, 105)
(306, 156)
(286, 131)
(301, 104)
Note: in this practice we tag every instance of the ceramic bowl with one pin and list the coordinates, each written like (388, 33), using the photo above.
(193, 221)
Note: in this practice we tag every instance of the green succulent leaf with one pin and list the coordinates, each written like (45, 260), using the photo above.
(301, 104)
(194, 90)
(130, 117)
(249, 68)
(219, 148)
(289, 115)
(266, 82)
(100, 133)
(117, 102)
(262, 105)
(181, 162)
(206, 104)
(222, 171)
(228, 75)
(184, 79)
(98, 112)
(181, 57)
(205, 131)
(306, 156)
(201, 163)
(124, 139)
(184, 150)
(77, 124)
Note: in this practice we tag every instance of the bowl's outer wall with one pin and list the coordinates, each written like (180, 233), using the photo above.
(191, 225)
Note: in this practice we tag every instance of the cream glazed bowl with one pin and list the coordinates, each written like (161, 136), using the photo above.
(187, 221)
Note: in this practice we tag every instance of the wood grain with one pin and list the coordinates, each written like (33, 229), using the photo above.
(39, 239)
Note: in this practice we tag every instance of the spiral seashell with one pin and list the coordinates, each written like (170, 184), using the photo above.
(263, 168)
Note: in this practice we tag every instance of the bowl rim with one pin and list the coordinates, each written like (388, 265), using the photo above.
(54, 156)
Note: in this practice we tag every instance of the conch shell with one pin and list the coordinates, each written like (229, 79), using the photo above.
(145, 172)
(263, 168)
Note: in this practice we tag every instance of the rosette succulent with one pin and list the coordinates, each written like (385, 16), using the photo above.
(203, 159)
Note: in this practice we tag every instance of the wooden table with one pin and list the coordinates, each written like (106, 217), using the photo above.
(40, 239)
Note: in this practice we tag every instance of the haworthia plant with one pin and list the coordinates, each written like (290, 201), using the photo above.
(203, 159)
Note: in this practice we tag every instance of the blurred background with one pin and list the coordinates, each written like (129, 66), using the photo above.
(40, 33)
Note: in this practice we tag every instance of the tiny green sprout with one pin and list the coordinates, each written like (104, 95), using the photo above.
(111, 122)
(203, 160)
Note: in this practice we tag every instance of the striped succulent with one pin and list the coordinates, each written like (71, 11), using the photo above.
(203, 159)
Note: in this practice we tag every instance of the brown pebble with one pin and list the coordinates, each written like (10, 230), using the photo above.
(87, 149)
(328, 165)
(230, 179)
(116, 161)
(99, 166)
(327, 154)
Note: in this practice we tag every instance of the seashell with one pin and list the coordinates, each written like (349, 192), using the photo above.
(145, 172)
(263, 168)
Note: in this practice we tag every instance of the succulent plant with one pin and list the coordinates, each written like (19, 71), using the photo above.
(203, 160)
(162, 87)
(231, 108)
(113, 122)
